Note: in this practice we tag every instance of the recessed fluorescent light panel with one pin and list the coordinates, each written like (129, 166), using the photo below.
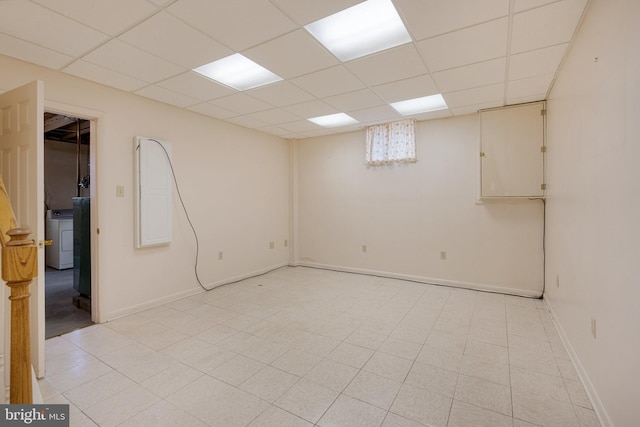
(420, 105)
(238, 72)
(360, 30)
(334, 120)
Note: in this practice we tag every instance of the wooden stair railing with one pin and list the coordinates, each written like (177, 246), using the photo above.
(19, 267)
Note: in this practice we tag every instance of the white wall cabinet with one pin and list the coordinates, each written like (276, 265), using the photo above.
(513, 151)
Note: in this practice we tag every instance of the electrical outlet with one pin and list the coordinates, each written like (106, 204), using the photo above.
(443, 255)
(119, 190)
(364, 249)
(272, 245)
(286, 243)
(593, 327)
(220, 255)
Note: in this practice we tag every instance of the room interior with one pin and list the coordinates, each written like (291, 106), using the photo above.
(266, 188)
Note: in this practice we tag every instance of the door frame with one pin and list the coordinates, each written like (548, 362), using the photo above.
(92, 116)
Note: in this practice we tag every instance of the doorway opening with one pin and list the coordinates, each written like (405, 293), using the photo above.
(67, 181)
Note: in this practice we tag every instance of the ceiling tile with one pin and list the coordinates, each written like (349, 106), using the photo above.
(274, 130)
(311, 109)
(439, 114)
(304, 12)
(300, 126)
(280, 94)
(95, 73)
(394, 64)
(292, 55)
(470, 45)
(133, 62)
(248, 122)
(331, 81)
(522, 5)
(376, 114)
(401, 90)
(241, 104)
(428, 18)
(167, 96)
(546, 26)
(196, 86)
(532, 63)
(212, 111)
(480, 74)
(471, 109)
(35, 24)
(30, 52)
(529, 87)
(238, 24)
(111, 17)
(167, 37)
(357, 100)
(478, 95)
(275, 116)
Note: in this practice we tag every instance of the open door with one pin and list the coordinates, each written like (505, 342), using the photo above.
(22, 166)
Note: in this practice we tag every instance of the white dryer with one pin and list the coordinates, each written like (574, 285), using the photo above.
(60, 230)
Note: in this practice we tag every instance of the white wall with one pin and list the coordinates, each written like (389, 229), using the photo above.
(593, 210)
(234, 182)
(407, 214)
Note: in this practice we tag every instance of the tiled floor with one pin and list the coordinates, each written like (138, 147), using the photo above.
(304, 347)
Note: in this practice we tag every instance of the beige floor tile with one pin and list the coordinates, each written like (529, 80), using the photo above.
(587, 417)
(317, 344)
(349, 412)
(486, 369)
(366, 339)
(351, 355)
(276, 417)
(296, 362)
(440, 358)
(269, 383)
(486, 351)
(335, 330)
(434, 379)
(99, 389)
(465, 415)
(577, 394)
(485, 394)
(423, 406)
(126, 355)
(209, 358)
(265, 351)
(411, 332)
(80, 374)
(218, 404)
(446, 342)
(122, 406)
(401, 348)
(148, 367)
(170, 380)
(537, 385)
(544, 412)
(215, 334)
(163, 413)
(393, 420)
(236, 370)
(332, 374)
(307, 400)
(373, 389)
(386, 365)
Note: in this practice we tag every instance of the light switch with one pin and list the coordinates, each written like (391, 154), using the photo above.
(120, 191)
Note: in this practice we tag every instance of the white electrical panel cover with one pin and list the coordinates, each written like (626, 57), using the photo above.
(513, 151)
(153, 192)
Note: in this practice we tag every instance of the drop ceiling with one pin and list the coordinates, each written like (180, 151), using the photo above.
(477, 54)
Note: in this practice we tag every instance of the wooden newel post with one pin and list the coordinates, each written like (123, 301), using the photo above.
(19, 267)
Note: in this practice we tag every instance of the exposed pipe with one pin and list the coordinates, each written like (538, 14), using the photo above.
(78, 174)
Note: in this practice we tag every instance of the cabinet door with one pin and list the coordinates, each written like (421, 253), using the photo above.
(512, 162)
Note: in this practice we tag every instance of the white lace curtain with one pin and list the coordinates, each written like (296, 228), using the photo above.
(391, 143)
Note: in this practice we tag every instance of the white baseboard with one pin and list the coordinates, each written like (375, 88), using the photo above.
(598, 407)
(184, 294)
(426, 280)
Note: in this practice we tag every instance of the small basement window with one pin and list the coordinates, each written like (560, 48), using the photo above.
(391, 143)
